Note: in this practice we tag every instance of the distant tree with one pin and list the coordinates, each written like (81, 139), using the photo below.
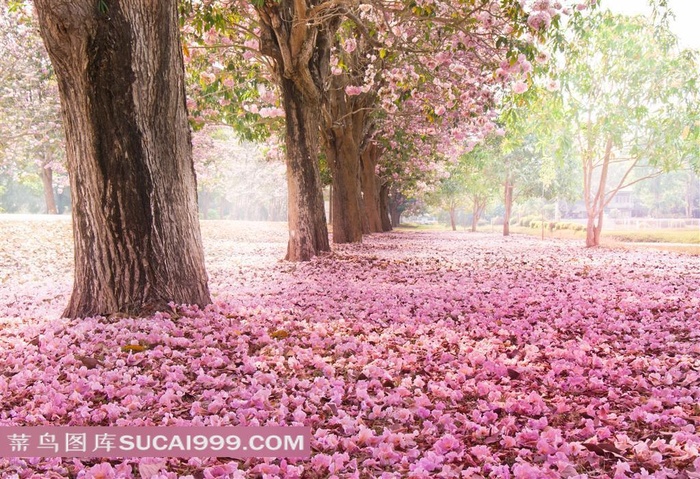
(632, 99)
(31, 139)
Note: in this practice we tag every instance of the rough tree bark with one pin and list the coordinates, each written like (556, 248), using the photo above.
(384, 207)
(300, 51)
(370, 188)
(121, 79)
(343, 122)
(308, 233)
(342, 153)
(453, 219)
(395, 200)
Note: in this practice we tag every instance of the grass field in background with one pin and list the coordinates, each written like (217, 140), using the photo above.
(678, 240)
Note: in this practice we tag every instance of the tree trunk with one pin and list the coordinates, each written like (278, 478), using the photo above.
(370, 190)
(508, 207)
(121, 80)
(308, 233)
(395, 214)
(343, 159)
(342, 130)
(593, 230)
(363, 217)
(384, 207)
(46, 174)
(595, 205)
(452, 218)
(330, 203)
(477, 210)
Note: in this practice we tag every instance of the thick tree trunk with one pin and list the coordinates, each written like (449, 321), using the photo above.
(343, 158)
(343, 125)
(308, 233)
(508, 207)
(453, 223)
(121, 80)
(384, 207)
(49, 197)
(370, 189)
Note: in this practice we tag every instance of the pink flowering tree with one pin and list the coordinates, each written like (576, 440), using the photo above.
(31, 139)
(334, 66)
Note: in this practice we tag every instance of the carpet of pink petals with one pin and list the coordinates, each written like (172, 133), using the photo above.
(414, 354)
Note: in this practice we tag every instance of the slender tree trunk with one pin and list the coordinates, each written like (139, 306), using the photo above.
(330, 204)
(308, 233)
(477, 210)
(508, 207)
(595, 204)
(121, 80)
(384, 207)
(370, 190)
(46, 174)
(453, 223)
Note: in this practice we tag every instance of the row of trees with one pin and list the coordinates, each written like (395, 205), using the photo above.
(31, 135)
(374, 84)
(625, 108)
(385, 95)
(342, 73)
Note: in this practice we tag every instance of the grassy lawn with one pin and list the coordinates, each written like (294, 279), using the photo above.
(682, 240)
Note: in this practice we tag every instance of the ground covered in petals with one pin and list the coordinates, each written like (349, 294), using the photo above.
(414, 354)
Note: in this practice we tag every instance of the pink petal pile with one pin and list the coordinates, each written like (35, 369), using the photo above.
(414, 354)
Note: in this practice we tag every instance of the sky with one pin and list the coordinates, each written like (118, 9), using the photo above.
(685, 25)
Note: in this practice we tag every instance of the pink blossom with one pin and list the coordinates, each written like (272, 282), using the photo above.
(349, 45)
(539, 20)
(519, 87)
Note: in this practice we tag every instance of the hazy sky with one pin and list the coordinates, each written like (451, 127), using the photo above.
(685, 24)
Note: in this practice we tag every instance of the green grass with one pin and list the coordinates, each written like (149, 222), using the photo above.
(684, 236)
(656, 236)
(686, 241)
